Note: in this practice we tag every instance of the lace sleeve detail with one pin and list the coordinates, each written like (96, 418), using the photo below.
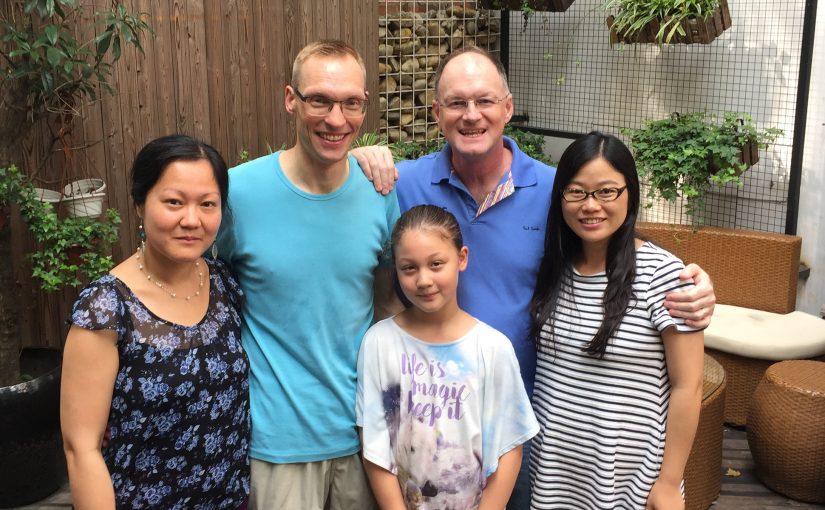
(99, 306)
(229, 286)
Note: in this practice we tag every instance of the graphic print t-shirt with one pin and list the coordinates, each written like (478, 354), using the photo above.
(439, 416)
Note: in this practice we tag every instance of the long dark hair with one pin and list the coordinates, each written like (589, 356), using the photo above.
(562, 247)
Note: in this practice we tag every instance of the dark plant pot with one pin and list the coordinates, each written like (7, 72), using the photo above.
(748, 154)
(697, 30)
(536, 5)
(73, 254)
(32, 464)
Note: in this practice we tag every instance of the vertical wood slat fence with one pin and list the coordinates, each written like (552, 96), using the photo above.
(212, 69)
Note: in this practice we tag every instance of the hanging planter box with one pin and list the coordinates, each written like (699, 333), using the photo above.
(536, 5)
(750, 153)
(697, 30)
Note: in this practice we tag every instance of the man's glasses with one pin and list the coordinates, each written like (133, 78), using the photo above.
(602, 195)
(482, 103)
(322, 105)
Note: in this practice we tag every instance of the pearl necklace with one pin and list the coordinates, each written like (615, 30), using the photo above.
(164, 288)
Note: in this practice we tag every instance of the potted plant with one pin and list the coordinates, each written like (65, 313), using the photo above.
(683, 155)
(527, 7)
(47, 73)
(69, 251)
(667, 21)
(84, 198)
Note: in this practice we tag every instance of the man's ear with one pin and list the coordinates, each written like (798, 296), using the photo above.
(290, 99)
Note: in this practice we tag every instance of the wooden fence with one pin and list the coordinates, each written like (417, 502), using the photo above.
(212, 69)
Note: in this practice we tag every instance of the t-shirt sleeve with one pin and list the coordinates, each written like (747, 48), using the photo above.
(375, 407)
(99, 307)
(393, 213)
(507, 418)
(664, 280)
(225, 240)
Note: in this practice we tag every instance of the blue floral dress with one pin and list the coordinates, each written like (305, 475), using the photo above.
(179, 421)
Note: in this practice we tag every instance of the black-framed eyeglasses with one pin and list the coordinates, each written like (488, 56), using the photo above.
(322, 105)
(462, 105)
(602, 194)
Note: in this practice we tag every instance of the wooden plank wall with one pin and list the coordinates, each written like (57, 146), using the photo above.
(212, 69)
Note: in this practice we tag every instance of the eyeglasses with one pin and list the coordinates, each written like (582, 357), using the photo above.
(482, 103)
(602, 195)
(322, 105)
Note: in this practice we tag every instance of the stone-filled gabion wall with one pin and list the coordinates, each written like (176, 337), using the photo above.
(414, 37)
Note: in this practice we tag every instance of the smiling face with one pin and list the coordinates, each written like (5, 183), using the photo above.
(326, 139)
(427, 263)
(182, 212)
(594, 221)
(472, 133)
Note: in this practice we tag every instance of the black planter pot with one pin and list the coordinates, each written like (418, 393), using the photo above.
(32, 464)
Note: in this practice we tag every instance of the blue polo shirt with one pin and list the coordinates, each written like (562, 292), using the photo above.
(506, 241)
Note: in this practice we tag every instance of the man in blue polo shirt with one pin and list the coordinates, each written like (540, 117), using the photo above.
(500, 197)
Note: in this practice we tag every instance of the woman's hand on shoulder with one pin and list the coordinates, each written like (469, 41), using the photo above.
(665, 496)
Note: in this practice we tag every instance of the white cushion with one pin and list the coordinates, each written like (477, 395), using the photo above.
(765, 335)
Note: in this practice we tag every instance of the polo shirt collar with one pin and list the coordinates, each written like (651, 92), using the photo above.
(524, 172)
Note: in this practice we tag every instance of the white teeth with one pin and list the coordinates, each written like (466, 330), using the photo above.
(591, 221)
(331, 138)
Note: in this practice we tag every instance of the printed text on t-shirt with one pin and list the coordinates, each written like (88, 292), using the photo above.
(429, 401)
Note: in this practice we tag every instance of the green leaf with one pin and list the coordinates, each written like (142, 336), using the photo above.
(54, 56)
(47, 81)
(102, 42)
(51, 32)
(116, 48)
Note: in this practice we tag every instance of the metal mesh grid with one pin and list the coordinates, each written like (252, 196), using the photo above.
(414, 37)
(566, 77)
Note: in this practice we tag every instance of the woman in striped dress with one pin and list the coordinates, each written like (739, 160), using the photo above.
(618, 381)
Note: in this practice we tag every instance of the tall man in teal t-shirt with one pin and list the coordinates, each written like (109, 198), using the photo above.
(305, 237)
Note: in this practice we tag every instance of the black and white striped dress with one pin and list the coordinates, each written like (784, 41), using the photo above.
(603, 420)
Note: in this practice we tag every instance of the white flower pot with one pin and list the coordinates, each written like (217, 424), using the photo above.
(85, 187)
(84, 206)
(47, 195)
(84, 198)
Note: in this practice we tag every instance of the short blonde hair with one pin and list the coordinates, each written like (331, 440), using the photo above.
(325, 48)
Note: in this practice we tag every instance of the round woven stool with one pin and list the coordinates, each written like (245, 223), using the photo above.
(703, 479)
(786, 429)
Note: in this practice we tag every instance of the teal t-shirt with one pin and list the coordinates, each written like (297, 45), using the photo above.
(306, 265)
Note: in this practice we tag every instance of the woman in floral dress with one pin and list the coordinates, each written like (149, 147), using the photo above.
(153, 359)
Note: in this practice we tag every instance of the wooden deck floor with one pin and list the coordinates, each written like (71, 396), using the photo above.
(745, 492)
(738, 493)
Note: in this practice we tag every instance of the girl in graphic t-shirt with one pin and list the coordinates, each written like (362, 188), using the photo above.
(441, 403)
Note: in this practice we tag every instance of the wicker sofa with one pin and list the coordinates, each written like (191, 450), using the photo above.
(750, 269)
(755, 270)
